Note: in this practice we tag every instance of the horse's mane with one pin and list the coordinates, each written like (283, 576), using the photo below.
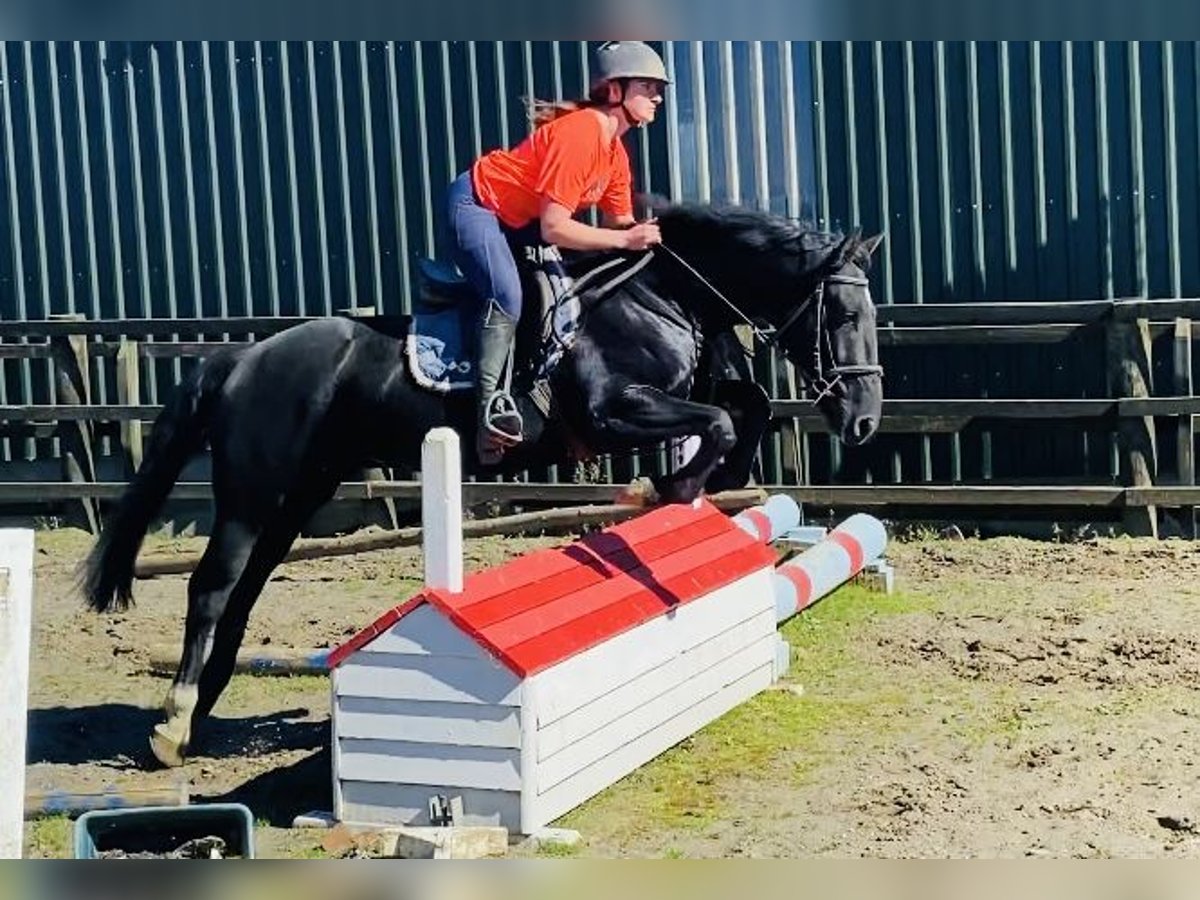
(709, 231)
(755, 229)
(706, 233)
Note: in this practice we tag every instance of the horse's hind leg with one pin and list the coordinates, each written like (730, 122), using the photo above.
(269, 550)
(220, 598)
(231, 627)
(228, 551)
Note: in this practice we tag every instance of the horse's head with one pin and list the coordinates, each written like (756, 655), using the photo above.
(809, 285)
(830, 336)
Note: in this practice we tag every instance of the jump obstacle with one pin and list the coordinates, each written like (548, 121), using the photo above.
(529, 687)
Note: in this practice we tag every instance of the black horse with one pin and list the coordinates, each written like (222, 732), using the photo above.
(654, 358)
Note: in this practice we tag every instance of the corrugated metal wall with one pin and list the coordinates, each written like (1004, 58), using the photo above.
(1011, 171)
(229, 179)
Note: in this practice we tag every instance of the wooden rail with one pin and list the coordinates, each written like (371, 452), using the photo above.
(70, 346)
(900, 416)
(833, 496)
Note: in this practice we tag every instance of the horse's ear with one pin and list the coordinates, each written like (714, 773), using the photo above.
(846, 249)
(870, 244)
(865, 248)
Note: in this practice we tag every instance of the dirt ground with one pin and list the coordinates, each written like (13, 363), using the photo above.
(1013, 699)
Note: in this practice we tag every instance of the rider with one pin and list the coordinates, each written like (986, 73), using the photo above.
(574, 158)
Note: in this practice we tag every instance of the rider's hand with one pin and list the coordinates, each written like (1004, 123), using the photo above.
(642, 235)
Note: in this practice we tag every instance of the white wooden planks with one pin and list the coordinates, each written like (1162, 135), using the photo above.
(681, 669)
(578, 681)
(453, 679)
(406, 762)
(556, 767)
(424, 631)
(429, 722)
(408, 804)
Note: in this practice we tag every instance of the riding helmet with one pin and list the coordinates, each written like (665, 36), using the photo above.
(627, 59)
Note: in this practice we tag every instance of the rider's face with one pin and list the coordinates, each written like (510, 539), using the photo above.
(643, 96)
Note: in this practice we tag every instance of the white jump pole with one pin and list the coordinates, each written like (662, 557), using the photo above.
(16, 625)
(836, 558)
(441, 510)
(773, 519)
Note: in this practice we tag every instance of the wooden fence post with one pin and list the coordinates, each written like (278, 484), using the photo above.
(1184, 435)
(73, 385)
(129, 393)
(1127, 346)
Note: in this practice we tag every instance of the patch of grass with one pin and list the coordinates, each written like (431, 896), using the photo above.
(1129, 701)
(917, 533)
(824, 638)
(823, 643)
(50, 838)
(383, 582)
(559, 850)
(255, 691)
(685, 789)
(70, 543)
(307, 851)
(288, 843)
(995, 716)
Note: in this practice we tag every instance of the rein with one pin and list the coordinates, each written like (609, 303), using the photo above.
(826, 378)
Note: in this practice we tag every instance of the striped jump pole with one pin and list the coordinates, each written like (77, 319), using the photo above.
(836, 558)
(773, 519)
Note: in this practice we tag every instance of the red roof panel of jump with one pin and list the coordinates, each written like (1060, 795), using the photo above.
(544, 607)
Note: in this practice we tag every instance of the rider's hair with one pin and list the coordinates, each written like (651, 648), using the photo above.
(542, 111)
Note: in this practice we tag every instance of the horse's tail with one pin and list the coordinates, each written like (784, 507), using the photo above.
(180, 431)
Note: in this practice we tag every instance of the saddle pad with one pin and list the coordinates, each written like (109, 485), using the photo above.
(441, 348)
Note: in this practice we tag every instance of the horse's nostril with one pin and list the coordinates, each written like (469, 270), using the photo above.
(864, 427)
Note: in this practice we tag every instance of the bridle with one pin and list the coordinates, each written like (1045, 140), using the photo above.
(822, 378)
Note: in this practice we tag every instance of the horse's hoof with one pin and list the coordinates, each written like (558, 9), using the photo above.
(165, 748)
(639, 492)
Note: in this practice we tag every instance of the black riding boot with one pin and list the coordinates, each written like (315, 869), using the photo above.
(500, 424)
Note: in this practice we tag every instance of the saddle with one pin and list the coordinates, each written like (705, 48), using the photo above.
(442, 344)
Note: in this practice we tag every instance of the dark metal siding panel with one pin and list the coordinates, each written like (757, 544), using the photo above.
(1028, 171)
(213, 178)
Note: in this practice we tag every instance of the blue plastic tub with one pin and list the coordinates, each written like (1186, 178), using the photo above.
(161, 829)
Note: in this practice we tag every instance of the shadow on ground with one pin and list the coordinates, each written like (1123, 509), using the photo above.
(116, 734)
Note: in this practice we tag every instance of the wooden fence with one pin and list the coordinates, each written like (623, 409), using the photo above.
(1129, 328)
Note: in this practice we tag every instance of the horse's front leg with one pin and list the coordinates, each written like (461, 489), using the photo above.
(641, 415)
(750, 408)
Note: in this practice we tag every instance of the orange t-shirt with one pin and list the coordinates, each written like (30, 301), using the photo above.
(567, 161)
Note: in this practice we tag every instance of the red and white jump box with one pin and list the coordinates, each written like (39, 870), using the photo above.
(550, 677)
